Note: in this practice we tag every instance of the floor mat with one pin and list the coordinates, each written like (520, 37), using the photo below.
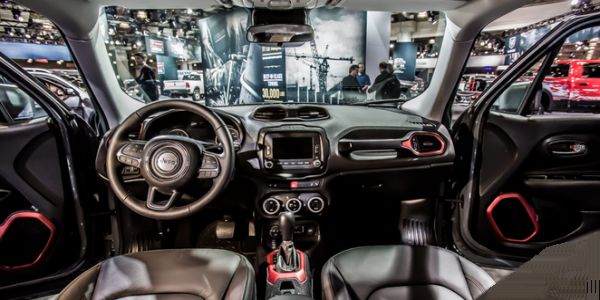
(240, 243)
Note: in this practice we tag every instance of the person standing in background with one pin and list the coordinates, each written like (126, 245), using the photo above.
(351, 89)
(145, 77)
(386, 85)
(363, 79)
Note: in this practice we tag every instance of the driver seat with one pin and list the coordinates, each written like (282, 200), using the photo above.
(187, 274)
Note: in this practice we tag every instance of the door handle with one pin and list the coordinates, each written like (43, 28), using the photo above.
(583, 84)
(568, 149)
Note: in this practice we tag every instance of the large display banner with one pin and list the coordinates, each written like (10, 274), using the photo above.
(274, 87)
(314, 72)
(155, 46)
(166, 67)
(516, 45)
(224, 52)
(585, 34)
(405, 60)
(237, 72)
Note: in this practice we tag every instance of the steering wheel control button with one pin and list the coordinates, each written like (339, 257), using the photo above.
(209, 162)
(134, 150)
(293, 205)
(316, 205)
(209, 168)
(271, 206)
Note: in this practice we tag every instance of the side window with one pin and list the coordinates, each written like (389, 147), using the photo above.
(573, 81)
(512, 98)
(50, 62)
(570, 85)
(16, 106)
(591, 70)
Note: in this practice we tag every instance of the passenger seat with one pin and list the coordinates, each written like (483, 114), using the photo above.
(402, 272)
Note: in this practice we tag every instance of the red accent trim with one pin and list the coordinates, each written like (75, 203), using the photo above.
(407, 143)
(32, 215)
(528, 208)
(273, 276)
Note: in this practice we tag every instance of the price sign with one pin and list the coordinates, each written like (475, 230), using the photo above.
(273, 74)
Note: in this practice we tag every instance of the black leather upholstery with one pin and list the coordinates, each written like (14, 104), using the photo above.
(402, 272)
(188, 274)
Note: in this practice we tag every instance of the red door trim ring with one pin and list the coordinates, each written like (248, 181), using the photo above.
(28, 215)
(533, 217)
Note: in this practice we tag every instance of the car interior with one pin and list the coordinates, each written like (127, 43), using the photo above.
(283, 181)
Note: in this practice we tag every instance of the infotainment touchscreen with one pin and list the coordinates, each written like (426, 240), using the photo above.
(293, 148)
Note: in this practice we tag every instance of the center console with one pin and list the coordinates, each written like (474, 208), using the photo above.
(288, 269)
(293, 157)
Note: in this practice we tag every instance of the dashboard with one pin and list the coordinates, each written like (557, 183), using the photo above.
(304, 141)
(297, 155)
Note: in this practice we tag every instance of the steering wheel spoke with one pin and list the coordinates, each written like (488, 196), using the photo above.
(210, 145)
(130, 153)
(211, 166)
(152, 204)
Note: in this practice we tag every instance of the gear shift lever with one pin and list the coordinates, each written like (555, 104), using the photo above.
(288, 258)
(286, 226)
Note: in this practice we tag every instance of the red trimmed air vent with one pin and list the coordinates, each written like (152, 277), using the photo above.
(422, 143)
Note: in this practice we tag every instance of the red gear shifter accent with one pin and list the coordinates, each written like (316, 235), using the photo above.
(273, 276)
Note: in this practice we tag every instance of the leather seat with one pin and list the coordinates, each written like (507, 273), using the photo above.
(187, 274)
(402, 272)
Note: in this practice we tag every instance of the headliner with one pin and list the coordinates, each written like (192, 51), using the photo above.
(379, 5)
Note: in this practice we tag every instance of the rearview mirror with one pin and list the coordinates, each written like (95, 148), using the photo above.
(282, 28)
(281, 35)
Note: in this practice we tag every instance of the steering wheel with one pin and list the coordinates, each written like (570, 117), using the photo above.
(170, 163)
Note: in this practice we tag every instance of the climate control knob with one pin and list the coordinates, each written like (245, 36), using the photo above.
(269, 164)
(317, 163)
(293, 205)
(271, 206)
(316, 205)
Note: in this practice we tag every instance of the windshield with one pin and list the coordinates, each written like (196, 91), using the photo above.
(204, 56)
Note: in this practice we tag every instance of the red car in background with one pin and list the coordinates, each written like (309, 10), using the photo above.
(574, 83)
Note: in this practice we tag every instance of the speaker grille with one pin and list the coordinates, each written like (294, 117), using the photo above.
(24, 239)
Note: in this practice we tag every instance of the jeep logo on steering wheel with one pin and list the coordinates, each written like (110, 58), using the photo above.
(167, 162)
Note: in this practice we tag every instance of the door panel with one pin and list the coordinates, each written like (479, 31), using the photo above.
(37, 221)
(540, 158)
(27, 169)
